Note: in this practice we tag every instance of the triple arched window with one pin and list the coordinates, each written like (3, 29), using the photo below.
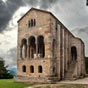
(40, 69)
(32, 23)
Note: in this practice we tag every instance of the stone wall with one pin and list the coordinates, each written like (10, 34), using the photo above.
(58, 41)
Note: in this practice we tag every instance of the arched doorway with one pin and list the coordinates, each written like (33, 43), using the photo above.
(41, 46)
(73, 53)
(32, 46)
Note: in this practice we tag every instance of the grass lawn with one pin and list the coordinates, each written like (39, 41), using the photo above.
(9, 83)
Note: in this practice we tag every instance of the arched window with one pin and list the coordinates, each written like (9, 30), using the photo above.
(40, 70)
(23, 68)
(41, 46)
(73, 53)
(31, 69)
(31, 22)
(32, 46)
(23, 48)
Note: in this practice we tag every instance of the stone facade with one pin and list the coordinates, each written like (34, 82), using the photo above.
(47, 50)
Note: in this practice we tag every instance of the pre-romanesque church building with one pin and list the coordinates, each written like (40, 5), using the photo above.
(47, 50)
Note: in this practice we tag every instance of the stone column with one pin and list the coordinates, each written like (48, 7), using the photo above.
(63, 54)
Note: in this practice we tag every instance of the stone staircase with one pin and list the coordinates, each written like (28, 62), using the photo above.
(70, 71)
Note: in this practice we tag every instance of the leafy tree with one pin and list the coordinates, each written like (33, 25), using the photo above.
(4, 74)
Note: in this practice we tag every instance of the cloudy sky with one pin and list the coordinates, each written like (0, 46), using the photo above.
(72, 13)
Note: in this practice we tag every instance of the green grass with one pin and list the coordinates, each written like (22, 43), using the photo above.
(9, 83)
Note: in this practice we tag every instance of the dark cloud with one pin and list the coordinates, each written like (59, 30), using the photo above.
(7, 9)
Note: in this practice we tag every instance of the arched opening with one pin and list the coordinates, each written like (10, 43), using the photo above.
(23, 68)
(31, 22)
(73, 53)
(23, 48)
(31, 69)
(32, 46)
(41, 46)
(40, 70)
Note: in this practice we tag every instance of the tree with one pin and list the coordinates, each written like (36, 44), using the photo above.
(4, 74)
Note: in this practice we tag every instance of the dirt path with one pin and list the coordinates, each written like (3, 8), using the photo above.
(42, 85)
(79, 81)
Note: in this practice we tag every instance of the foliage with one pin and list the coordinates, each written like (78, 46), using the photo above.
(4, 74)
(9, 83)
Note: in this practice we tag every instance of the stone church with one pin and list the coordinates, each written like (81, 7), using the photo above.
(47, 50)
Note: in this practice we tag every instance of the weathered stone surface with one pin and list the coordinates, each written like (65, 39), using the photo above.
(60, 46)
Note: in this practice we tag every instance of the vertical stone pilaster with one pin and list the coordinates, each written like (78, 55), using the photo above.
(61, 51)
(63, 54)
(82, 60)
(69, 49)
(66, 50)
(58, 52)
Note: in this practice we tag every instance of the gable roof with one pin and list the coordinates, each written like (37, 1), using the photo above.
(44, 12)
(36, 10)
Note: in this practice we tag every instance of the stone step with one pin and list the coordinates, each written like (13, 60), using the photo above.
(70, 70)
